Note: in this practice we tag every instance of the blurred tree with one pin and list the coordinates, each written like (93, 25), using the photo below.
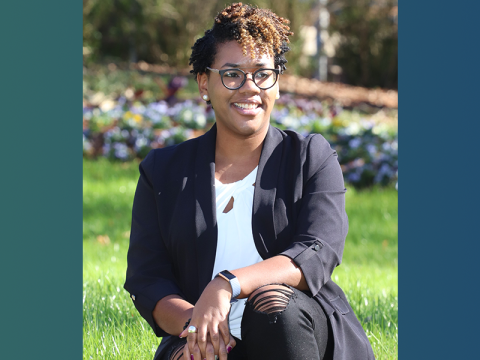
(149, 30)
(367, 52)
(163, 31)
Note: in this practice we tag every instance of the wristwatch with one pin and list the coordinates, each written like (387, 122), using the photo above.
(234, 283)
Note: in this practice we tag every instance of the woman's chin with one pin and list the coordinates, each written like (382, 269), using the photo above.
(251, 127)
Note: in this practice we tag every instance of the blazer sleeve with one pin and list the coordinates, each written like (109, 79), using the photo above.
(322, 222)
(149, 273)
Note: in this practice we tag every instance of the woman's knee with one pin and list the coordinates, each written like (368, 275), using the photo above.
(280, 320)
(271, 300)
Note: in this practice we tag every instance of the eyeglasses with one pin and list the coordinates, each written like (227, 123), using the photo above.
(234, 79)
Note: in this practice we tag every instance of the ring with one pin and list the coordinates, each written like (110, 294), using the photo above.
(192, 329)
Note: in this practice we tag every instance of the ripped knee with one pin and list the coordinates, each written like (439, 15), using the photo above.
(271, 299)
(177, 353)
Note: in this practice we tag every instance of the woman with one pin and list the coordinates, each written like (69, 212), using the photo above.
(235, 234)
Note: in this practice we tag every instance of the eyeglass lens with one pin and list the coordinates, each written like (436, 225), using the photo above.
(264, 78)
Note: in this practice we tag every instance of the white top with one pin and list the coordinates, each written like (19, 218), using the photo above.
(235, 245)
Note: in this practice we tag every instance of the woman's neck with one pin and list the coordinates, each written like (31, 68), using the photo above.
(236, 157)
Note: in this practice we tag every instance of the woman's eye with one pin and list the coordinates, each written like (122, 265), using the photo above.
(262, 75)
(231, 74)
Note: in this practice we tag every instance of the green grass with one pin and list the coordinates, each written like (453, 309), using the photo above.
(112, 328)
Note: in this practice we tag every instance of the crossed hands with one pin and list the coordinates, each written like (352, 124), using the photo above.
(210, 317)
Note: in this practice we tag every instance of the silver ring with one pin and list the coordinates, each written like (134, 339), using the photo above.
(192, 329)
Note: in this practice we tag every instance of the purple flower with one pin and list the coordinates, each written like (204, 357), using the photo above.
(355, 143)
(372, 149)
(353, 177)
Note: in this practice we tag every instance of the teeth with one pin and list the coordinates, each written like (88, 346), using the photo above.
(246, 106)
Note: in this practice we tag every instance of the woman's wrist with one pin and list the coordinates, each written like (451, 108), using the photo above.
(222, 286)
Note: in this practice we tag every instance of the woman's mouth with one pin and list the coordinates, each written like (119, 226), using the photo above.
(247, 106)
(247, 109)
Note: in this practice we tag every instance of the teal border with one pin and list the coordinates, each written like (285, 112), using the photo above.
(41, 179)
(41, 188)
(438, 183)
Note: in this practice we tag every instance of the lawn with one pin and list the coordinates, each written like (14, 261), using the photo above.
(112, 328)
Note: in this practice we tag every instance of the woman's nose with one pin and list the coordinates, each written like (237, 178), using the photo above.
(250, 85)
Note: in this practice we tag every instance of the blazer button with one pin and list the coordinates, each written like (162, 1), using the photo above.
(133, 297)
(316, 248)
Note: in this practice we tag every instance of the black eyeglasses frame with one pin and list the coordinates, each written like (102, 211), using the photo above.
(221, 72)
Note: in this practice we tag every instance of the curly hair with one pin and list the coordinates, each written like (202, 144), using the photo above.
(259, 30)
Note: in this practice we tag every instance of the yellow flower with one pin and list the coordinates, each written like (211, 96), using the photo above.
(128, 115)
(337, 122)
(137, 117)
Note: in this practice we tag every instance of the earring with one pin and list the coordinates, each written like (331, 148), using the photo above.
(205, 97)
(278, 96)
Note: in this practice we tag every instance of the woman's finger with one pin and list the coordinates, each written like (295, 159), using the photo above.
(196, 353)
(202, 341)
(191, 339)
(224, 331)
(209, 352)
(231, 344)
(222, 353)
(214, 339)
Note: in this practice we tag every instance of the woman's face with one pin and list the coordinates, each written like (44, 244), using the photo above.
(246, 111)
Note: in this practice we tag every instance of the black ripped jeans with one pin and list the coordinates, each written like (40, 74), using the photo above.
(280, 322)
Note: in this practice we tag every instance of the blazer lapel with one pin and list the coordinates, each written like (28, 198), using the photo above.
(263, 200)
(265, 189)
(205, 210)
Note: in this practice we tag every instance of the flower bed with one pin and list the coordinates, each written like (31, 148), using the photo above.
(367, 145)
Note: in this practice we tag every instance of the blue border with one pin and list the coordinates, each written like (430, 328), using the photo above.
(41, 179)
(439, 118)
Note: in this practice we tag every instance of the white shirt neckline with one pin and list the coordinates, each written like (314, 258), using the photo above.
(218, 182)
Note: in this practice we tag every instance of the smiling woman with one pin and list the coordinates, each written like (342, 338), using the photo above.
(241, 106)
(235, 234)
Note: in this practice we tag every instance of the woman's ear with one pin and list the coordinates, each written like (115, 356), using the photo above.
(202, 80)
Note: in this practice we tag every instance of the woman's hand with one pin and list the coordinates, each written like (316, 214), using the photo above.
(210, 317)
(210, 355)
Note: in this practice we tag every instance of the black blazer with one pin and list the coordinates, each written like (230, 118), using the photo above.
(298, 211)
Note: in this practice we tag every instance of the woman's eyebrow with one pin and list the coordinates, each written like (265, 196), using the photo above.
(230, 65)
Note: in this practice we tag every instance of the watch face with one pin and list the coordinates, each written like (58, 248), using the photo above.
(227, 274)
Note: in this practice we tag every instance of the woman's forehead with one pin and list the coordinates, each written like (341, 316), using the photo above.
(230, 55)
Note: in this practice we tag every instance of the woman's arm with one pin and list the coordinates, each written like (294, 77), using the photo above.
(171, 313)
(276, 270)
(322, 224)
(149, 275)
(320, 230)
